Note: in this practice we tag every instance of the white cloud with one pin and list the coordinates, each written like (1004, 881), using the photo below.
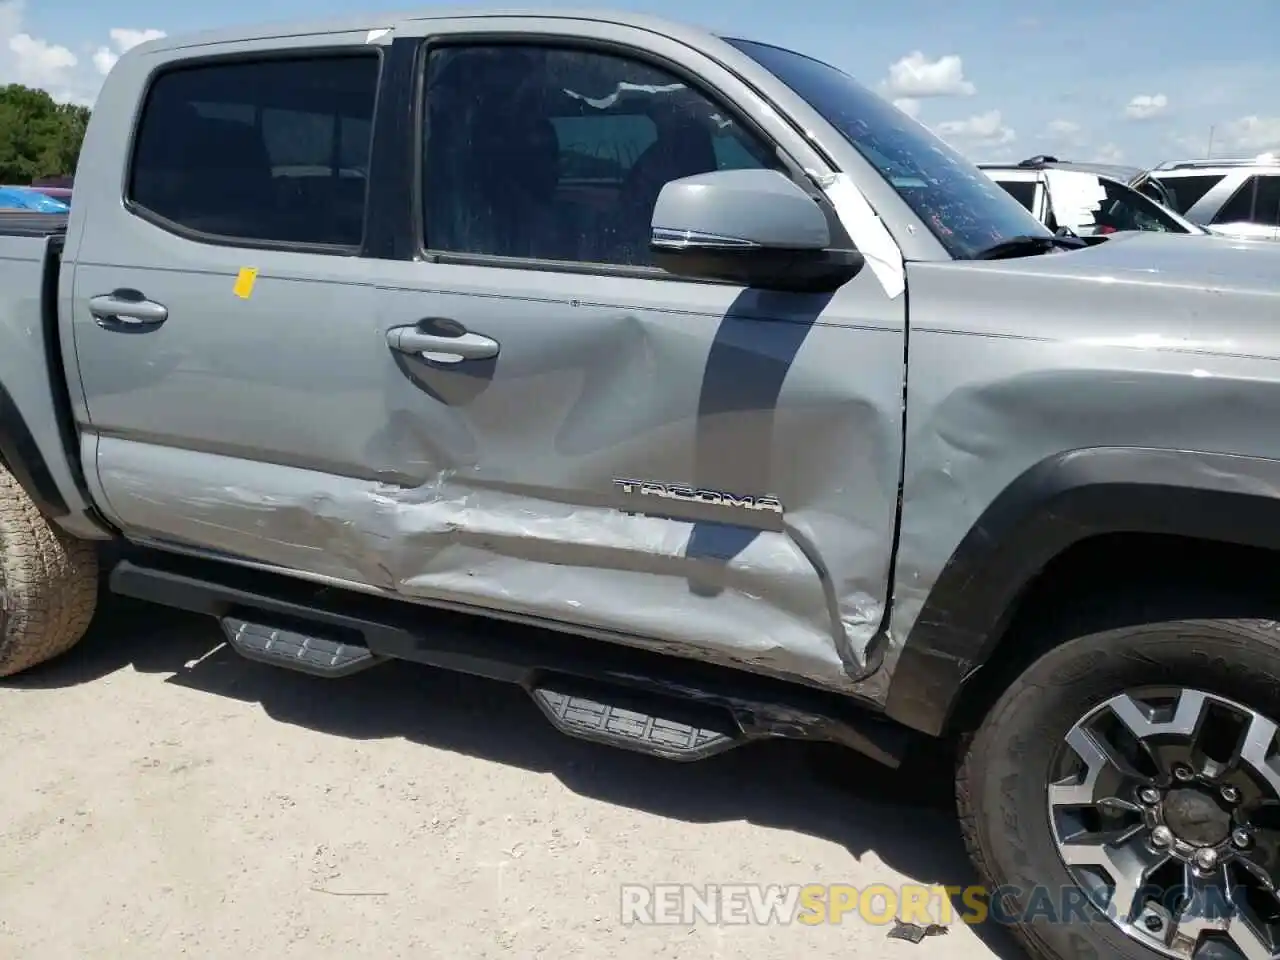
(984, 130)
(1248, 135)
(915, 77)
(104, 59)
(123, 39)
(908, 106)
(37, 62)
(29, 60)
(1147, 106)
(1109, 153)
(1068, 133)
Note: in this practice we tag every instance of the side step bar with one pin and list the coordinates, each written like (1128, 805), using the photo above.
(318, 656)
(669, 707)
(635, 721)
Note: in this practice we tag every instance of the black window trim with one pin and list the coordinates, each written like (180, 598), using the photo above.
(481, 37)
(324, 50)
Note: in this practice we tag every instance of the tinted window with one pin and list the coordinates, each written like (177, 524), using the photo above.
(1024, 191)
(1239, 209)
(1187, 191)
(551, 154)
(269, 151)
(963, 207)
(1266, 207)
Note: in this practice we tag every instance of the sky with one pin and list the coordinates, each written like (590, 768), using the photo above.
(1125, 81)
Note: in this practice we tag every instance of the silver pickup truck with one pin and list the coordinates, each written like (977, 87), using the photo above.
(693, 387)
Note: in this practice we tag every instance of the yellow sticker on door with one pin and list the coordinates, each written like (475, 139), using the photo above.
(245, 280)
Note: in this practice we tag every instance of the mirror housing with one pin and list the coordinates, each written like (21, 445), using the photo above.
(753, 227)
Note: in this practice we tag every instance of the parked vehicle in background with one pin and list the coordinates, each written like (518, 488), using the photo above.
(30, 198)
(57, 187)
(1236, 198)
(57, 193)
(374, 336)
(1088, 198)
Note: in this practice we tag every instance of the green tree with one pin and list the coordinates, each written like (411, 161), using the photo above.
(39, 137)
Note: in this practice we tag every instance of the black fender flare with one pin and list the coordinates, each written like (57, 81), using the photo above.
(1054, 505)
(21, 455)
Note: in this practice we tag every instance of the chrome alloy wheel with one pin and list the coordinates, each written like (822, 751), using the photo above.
(1165, 807)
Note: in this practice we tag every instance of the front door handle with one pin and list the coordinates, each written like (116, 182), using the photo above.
(127, 308)
(443, 348)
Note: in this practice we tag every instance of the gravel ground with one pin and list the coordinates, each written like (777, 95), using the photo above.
(166, 798)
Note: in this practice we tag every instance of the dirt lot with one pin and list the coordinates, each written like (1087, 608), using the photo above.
(164, 798)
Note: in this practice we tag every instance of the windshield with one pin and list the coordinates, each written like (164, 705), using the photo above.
(963, 208)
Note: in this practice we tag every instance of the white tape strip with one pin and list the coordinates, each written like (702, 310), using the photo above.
(868, 232)
(1075, 197)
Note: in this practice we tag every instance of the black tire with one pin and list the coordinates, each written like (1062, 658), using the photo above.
(1004, 770)
(48, 583)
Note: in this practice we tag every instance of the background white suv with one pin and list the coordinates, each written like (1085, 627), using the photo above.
(1088, 198)
(1238, 198)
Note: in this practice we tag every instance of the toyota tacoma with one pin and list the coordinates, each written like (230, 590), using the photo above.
(693, 387)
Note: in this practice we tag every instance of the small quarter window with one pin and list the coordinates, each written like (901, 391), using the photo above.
(1024, 191)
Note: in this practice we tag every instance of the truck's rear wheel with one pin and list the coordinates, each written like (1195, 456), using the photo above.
(48, 583)
(1122, 799)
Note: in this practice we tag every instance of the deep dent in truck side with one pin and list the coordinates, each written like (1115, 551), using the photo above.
(636, 371)
(976, 522)
(904, 501)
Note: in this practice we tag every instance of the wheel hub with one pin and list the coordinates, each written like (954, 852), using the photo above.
(1196, 817)
(1165, 807)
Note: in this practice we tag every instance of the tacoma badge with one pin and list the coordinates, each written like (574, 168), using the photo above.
(715, 498)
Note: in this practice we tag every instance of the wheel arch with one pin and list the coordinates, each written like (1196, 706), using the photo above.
(1072, 525)
(21, 455)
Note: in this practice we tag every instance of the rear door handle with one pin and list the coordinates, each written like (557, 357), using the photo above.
(127, 308)
(443, 348)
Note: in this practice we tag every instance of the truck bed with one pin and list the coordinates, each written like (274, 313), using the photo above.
(37, 432)
(29, 223)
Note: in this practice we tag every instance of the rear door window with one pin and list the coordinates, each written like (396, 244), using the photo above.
(1266, 203)
(273, 151)
(1239, 209)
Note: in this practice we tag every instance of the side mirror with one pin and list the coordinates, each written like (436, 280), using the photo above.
(753, 227)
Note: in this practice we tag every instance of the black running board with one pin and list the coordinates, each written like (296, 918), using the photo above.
(302, 651)
(671, 707)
